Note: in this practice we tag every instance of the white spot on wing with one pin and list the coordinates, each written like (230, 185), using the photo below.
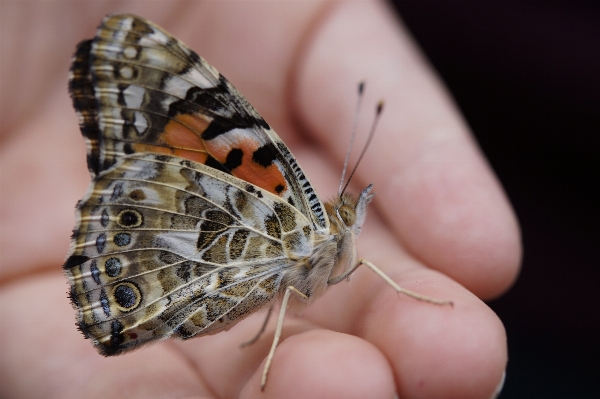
(140, 122)
(200, 79)
(134, 96)
(176, 86)
(126, 72)
(110, 48)
(130, 52)
(153, 38)
(166, 103)
(124, 28)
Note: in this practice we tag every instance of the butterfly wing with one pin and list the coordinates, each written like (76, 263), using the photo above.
(169, 247)
(137, 89)
(197, 210)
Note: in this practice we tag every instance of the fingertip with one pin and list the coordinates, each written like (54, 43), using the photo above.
(324, 364)
(458, 219)
(440, 351)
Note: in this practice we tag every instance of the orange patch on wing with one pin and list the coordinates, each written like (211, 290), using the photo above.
(181, 137)
(199, 157)
(184, 132)
(269, 178)
(220, 147)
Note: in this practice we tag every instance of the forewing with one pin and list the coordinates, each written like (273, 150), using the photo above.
(138, 89)
(168, 247)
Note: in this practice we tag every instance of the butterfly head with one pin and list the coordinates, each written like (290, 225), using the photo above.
(346, 216)
(347, 212)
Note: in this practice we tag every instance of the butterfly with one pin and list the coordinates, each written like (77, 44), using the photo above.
(197, 214)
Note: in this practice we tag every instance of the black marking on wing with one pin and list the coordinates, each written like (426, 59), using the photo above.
(213, 163)
(75, 260)
(81, 89)
(95, 272)
(219, 103)
(234, 159)
(104, 302)
(303, 186)
(265, 155)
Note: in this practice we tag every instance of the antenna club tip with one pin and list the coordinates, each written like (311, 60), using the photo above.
(380, 105)
(361, 87)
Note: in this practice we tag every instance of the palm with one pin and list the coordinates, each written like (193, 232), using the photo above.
(437, 207)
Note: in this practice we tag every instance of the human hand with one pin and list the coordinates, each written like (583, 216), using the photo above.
(439, 225)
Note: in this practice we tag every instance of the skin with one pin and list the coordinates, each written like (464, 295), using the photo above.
(440, 223)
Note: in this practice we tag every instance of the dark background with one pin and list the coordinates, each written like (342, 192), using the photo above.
(526, 76)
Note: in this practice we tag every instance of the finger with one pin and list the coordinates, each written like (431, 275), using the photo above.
(225, 365)
(325, 364)
(41, 344)
(221, 360)
(435, 351)
(433, 186)
(44, 175)
(307, 363)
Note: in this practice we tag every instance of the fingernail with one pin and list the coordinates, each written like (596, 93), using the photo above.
(499, 387)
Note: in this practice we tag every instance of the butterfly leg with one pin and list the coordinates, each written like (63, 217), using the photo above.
(260, 332)
(391, 282)
(288, 291)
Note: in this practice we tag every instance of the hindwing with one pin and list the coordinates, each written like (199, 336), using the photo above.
(169, 247)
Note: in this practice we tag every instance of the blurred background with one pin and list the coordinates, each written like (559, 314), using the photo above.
(526, 76)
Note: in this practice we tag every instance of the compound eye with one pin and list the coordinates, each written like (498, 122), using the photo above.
(347, 214)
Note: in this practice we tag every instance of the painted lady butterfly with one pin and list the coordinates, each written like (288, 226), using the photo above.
(198, 214)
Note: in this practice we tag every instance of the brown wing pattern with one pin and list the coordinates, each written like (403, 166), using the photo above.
(168, 247)
(137, 89)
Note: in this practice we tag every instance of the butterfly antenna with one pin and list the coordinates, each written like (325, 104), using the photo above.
(378, 111)
(361, 89)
